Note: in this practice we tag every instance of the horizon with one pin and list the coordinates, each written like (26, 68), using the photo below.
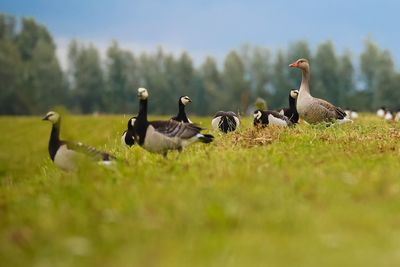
(185, 27)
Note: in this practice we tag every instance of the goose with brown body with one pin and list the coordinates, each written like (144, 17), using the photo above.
(314, 110)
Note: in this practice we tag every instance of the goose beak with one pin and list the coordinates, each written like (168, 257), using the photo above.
(45, 118)
(293, 65)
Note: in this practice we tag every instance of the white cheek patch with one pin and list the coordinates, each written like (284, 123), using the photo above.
(257, 115)
(133, 122)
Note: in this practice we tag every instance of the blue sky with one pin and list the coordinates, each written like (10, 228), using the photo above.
(215, 27)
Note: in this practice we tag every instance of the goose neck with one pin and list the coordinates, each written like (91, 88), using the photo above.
(305, 81)
(142, 115)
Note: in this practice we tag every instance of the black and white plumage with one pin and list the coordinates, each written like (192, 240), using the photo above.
(127, 138)
(270, 117)
(291, 111)
(181, 117)
(381, 112)
(225, 121)
(389, 115)
(351, 114)
(63, 153)
(162, 136)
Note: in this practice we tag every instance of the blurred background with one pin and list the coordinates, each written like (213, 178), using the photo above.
(91, 56)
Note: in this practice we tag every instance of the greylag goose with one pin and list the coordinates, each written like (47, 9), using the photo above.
(311, 109)
(162, 136)
(270, 117)
(225, 121)
(291, 111)
(181, 117)
(63, 153)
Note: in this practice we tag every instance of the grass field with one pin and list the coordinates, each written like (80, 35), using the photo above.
(308, 196)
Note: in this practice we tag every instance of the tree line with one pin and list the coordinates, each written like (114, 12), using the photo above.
(32, 80)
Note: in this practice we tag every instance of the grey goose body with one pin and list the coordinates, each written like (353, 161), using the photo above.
(63, 153)
(311, 109)
(225, 121)
(163, 136)
(264, 118)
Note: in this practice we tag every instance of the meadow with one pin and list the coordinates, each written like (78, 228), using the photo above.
(306, 196)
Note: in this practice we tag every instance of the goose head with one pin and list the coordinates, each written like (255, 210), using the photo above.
(257, 114)
(184, 100)
(301, 64)
(294, 93)
(52, 116)
(131, 122)
(142, 93)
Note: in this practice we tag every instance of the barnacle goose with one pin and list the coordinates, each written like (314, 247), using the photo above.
(62, 153)
(181, 117)
(270, 117)
(389, 115)
(351, 114)
(381, 112)
(225, 121)
(162, 136)
(127, 138)
(291, 112)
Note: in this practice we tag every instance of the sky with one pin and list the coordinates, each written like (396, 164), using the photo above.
(215, 27)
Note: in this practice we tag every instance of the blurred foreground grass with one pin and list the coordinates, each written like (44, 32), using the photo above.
(309, 196)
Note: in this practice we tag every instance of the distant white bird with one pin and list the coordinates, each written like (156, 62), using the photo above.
(351, 114)
(381, 112)
(389, 116)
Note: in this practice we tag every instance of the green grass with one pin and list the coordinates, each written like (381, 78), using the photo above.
(309, 196)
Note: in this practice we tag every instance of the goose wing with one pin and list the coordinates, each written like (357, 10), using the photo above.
(173, 128)
(89, 151)
(340, 113)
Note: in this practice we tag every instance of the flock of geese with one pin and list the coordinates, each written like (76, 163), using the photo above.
(179, 131)
(388, 115)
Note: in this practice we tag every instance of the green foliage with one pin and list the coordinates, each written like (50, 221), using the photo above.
(260, 104)
(32, 80)
(305, 196)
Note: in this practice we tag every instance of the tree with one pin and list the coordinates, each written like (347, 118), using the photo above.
(236, 91)
(47, 83)
(295, 51)
(280, 81)
(87, 80)
(346, 83)
(326, 73)
(377, 68)
(121, 80)
(211, 82)
(256, 61)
